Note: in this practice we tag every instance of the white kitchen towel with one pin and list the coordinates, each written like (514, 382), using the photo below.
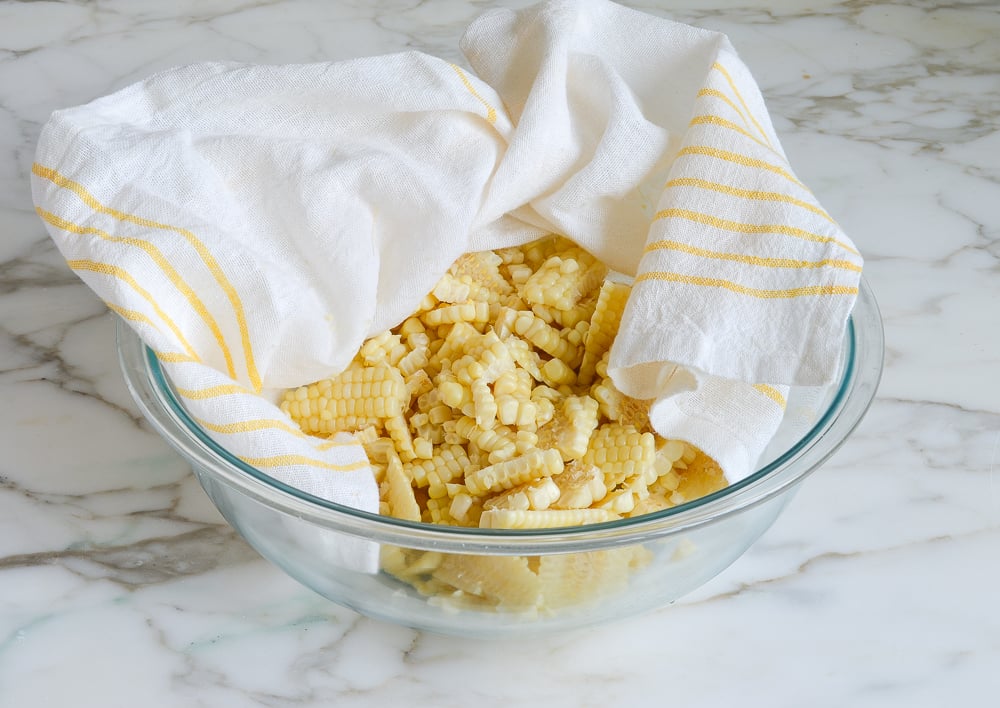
(256, 223)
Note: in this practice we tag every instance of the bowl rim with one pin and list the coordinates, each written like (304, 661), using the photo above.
(860, 375)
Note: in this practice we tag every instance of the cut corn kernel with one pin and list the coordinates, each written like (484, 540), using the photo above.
(620, 451)
(549, 518)
(465, 312)
(580, 486)
(603, 327)
(570, 431)
(399, 494)
(449, 462)
(354, 399)
(543, 336)
(537, 495)
(510, 473)
(564, 279)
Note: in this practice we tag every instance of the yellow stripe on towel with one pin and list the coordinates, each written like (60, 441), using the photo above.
(335, 443)
(287, 460)
(715, 93)
(732, 84)
(729, 125)
(491, 112)
(805, 291)
(741, 227)
(212, 392)
(772, 393)
(168, 270)
(754, 194)
(246, 426)
(751, 260)
(740, 159)
(126, 277)
(220, 277)
(176, 358)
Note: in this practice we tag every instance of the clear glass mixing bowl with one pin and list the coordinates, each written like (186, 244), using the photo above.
(599, 572)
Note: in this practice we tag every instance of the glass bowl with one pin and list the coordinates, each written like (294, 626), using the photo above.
(552, 579)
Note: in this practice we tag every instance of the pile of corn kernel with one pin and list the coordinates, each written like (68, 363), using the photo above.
(491, 406)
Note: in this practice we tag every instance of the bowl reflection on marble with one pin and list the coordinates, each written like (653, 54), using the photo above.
(551, 579)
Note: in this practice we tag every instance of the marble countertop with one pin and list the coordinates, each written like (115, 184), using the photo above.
(121, 585)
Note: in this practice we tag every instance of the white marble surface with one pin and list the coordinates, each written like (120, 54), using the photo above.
(120, 584)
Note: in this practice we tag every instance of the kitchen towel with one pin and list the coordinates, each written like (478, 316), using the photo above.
(255, 223)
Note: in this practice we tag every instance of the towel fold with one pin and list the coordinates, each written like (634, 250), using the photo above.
(255, 224)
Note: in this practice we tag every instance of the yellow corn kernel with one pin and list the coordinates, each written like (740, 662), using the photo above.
(619, 501)
(546, 314)
(354, 399)
(418, 383)
(447, 463)
(555, 372)
(422, 448)
(503, 323)
(666, 483)
(510, 255)
(525, 441)
(411, 326)
(481, 269)
(539, 251)
(399, 431)
(502, 454)
(497, 440)
(544, 337)
(703, 476)
(537, 495)
(485, 406)
(549, 518)
(570, 431)
(580, 485)
(487, 357)
(544, 411)
(399, 494)
(564, 279)
(461, 506)
(509, 390)
(578, 317)
(366, 436)
(603, 327)
(618, 407)
(518, 273)
(670, 451)
(380, 450)
(620, 451)
(510, 473)
(450, 289)
(478, 292)
(477, 458)
(438, 511)
(414, 361)
(384, 348)
(465, 312)
(428, 303)
(439, 414)
(420, 426)
(525, 357)
(454, 343)
(452, 393)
